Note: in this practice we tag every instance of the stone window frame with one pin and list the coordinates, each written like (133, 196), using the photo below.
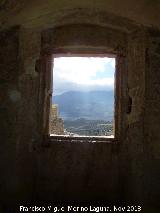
(47, 54)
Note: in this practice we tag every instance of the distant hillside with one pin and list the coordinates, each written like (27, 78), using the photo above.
(94, 105)
(89, 127)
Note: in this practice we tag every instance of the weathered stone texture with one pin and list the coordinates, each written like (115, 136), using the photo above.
(36, 169)
(152, 122)
(9, 105)
(75, 171)
(56, 123)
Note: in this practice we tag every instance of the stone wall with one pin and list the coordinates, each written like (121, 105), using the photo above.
(82, 171)
(78, 172)
(36, 169)
(18, 127)
(10, 102)
(152, 120)
(56, 123)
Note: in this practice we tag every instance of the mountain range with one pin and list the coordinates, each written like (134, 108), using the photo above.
(92, 105)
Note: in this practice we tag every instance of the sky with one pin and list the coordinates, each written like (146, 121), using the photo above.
(83, 74)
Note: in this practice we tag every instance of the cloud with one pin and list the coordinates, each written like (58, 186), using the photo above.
(70, 73)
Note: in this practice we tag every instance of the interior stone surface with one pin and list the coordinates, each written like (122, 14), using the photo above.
(36, 170)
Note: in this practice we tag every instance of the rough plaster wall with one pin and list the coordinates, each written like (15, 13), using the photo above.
(59, 164)
(152, 120)
(10, 101)
(141, 147)
(29, 82)
(34, 13)
(78, 37)
(78, 172)
(29, 133)
(133, 145)
(152, 93)
(18, 88)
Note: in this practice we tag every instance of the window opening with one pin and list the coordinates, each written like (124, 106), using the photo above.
(83, 97)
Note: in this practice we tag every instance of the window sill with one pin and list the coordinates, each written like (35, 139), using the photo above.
(81, 139)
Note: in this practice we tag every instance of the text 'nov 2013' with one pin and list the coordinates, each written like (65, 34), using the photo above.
(71, 208)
